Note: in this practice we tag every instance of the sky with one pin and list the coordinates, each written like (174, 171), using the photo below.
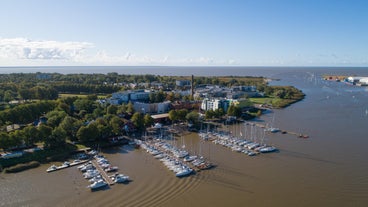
(184, 32)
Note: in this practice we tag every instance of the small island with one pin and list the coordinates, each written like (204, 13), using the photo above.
(49, 116)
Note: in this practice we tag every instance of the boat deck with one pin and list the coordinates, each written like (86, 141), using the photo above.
(67, 166)
(103, 173)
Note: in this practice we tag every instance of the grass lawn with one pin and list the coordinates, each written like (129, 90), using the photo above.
(275, 102)
(65, 95)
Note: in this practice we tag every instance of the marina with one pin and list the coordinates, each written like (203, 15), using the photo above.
(306, 172)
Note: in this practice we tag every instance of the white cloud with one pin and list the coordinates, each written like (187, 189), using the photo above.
(27, 52)
(22, 48)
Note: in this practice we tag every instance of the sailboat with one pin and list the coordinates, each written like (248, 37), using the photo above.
(271, 128)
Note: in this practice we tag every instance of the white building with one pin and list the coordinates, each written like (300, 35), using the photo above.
(215, 104)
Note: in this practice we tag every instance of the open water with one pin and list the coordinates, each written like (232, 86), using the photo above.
(328, 169)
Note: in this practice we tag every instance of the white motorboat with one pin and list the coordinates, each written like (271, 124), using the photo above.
(184, 172)
(112, 169)
(120, 178)
(97, 185)
(190, 158)
(52, 168)
(268, 149)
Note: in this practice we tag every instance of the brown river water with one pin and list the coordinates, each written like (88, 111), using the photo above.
(327, 169)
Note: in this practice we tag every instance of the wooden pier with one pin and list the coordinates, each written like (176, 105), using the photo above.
(103, 173)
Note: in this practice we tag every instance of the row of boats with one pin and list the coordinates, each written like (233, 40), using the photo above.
(177, 160)
(98, 179)
(250, 148)
(66, 164)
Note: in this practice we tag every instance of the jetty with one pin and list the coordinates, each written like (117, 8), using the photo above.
(103, 173)
(65, 165)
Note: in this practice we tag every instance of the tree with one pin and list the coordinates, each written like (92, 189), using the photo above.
(209, 114)
(32, 135)
(193, 117)
(148, 120)
(56, 139)
(85, 104)
(116, 124)
(112, 109)
(137, 120)
(88, 133)
(234, 111)
(130, 108)
(122, 109)
(71, 126)
(55, 117)
(173, 115)
(182, 113)
(5, 141)
(44, 132)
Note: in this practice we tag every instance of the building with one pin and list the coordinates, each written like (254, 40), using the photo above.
(182, 83)
(126, 96)
(214, 104)
(153, 108)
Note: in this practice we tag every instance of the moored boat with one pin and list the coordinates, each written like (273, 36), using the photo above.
(98, 185)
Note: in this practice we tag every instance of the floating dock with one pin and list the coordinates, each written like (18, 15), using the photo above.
(103, 173)
(66, 166)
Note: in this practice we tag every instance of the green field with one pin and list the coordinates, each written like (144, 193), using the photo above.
(65, 95)
(275, 102)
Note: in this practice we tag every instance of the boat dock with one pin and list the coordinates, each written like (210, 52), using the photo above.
(300, 135)
(66, 166)
(103, 173)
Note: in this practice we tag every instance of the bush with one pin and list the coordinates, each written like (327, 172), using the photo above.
(21, 167)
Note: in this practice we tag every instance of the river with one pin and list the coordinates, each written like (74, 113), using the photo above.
(327, 169)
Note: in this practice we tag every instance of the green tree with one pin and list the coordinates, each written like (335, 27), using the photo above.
(31, 135)
(182, 113)
(88, 133)
(55, 117)
(116, 125)
(173, 115)
(122, 109)
(44, 132)
(5, 141)
(130, 108)
(112, 109)
(137, 120)
(56, 139)
(193, 117)
(209, 114)
(148, 120)
(234, 111)
(70, 126)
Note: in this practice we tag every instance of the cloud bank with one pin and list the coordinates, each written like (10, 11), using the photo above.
(26, 49)
(27, 52)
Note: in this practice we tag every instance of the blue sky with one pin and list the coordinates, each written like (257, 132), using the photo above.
(184, 32)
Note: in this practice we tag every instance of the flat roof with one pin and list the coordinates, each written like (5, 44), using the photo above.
(160, 116)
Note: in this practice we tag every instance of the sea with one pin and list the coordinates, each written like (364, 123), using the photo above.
(327, 169)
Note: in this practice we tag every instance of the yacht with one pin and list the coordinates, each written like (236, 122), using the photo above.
(52, 168)
(97, 185)
(121, 178)
(190, 158)
(268, 149)
(184, 172)
(112, 169)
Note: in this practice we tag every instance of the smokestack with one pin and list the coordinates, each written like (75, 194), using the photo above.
(192, 87)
